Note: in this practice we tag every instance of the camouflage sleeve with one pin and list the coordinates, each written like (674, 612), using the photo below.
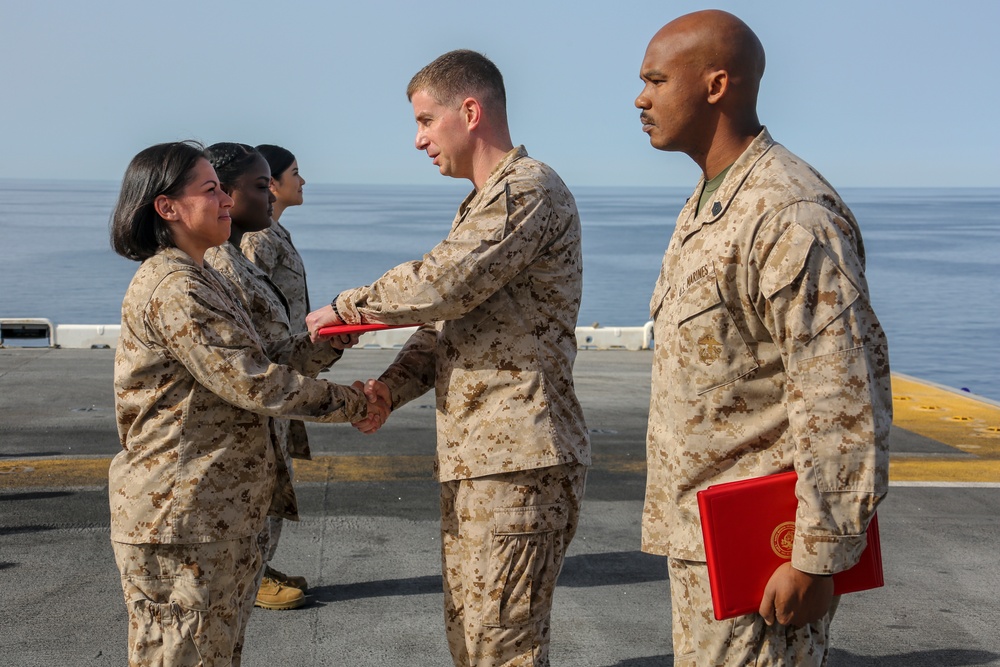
(412, 373)
(296, 351)
(303, 355)
(201, 332)
(839, 401)
(494, 243)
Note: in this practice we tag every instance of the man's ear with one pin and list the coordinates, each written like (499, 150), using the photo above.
(718, 85)
(472, 111)
(165, 208)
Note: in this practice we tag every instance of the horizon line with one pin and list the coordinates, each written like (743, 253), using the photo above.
(464, 184)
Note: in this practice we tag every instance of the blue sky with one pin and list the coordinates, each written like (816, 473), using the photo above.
(872, 93)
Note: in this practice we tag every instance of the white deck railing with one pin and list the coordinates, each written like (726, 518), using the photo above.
(19, 331)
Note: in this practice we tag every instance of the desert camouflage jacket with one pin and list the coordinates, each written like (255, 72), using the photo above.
(194, 390)
(504, 291)
(274, 254)
(768, 357)
(268, 311)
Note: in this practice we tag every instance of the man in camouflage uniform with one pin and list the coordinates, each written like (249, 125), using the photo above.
(768, 354)
(503, 290)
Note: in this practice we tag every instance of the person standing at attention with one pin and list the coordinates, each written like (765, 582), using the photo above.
(768, 354)
(503, 291)
(271, 249)
(273, 252)
(245, 176)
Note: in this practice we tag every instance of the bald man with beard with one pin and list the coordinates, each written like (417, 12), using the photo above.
(768, 354)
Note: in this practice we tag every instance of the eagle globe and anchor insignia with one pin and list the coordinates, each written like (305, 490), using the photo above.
(709, 349)
(782, 538)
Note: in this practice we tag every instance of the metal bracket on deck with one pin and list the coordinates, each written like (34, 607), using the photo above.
(26, 329)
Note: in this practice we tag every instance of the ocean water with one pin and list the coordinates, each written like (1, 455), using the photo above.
(933, 258)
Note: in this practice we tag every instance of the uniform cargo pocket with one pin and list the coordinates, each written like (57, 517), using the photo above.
(185, 592)
(166, 614)
(522, 563)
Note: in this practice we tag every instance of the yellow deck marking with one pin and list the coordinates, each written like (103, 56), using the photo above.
(970, 425)
(35, 473)
(25, 473)
(952, 418)
(330, 468)
(929, 470)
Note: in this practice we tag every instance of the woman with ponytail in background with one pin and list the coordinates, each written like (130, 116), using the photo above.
(272, 249)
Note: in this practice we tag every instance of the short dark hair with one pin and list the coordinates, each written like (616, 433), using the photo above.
(231, 160)
(137, 230)
(458, 74)
(278, 158)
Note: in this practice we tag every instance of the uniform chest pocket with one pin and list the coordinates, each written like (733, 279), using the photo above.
(294, 266)
(488, 224)
(710, 348)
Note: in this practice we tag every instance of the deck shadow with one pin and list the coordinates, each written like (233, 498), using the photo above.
(945, 657)
(35, 495)
(17, 530)
(604, 569)
(426, 585)
(614, 568)
(30, 455)
(650, 661)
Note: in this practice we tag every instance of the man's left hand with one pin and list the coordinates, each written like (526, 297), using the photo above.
(324, 317)
(795, 598)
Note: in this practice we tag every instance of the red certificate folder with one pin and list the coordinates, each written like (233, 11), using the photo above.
(340, 329)
(748, 527)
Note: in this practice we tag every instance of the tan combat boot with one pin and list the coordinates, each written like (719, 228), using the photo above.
(275, 595)
(286, 579)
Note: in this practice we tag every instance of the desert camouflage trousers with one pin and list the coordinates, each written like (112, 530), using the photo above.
(503, 542)
(702, 641)
(188, 604)
(270, 537)
(284, 503)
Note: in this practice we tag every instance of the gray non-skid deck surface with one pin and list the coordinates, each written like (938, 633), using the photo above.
(370, 548)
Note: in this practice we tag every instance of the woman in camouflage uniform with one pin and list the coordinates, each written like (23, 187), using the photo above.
(244, 174)
(271, 249)
(195, 388)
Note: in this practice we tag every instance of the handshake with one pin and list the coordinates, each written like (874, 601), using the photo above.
(379, 405)
(377, 393)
